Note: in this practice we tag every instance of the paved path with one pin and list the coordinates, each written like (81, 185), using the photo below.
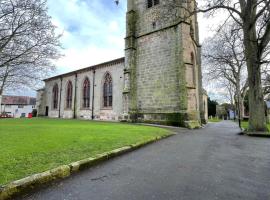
(210, 163)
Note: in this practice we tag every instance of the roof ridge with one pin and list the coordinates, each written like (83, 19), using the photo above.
(115, 61)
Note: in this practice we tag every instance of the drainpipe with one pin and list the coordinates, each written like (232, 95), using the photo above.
(75, 96)
(93, 94)
(60, 98)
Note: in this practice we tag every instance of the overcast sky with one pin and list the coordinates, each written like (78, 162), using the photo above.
(94, 30)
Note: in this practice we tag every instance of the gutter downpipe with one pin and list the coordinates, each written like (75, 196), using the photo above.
(93, 94)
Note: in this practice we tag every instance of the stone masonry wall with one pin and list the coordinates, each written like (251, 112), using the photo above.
(116, 71)
(159, 82)
(157, 72)
(165, 81)
(157, 59)
(189, 48)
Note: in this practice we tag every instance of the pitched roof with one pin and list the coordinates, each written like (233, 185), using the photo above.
(105, 64)
(18, 100)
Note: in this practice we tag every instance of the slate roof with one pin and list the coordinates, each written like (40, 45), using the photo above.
(18, 100)
(105, 64)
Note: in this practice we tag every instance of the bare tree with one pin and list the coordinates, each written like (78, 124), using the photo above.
(28, 43)
(225, 62)
(253, 17)
(231, 94)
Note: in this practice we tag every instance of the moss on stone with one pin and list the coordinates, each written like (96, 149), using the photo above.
(192, 124)
(169, 119)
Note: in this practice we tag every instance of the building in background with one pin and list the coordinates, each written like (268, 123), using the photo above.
(158, 81)
(17, 106)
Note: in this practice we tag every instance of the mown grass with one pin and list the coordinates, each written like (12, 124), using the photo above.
(244, 125)
(29, 146)
(215, 120)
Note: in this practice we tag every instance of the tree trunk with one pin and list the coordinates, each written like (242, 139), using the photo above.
(1, 92)
(239, 99)
(2, 86)
(257, 120)
(242, 109)
(243, 96)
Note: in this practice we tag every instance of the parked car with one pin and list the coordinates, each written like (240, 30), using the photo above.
(5, 115)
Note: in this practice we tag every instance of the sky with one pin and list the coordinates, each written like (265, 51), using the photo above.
(93, 32)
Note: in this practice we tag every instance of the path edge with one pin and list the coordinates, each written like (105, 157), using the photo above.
(29, 183)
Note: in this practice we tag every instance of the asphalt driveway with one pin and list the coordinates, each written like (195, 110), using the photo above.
(210, 163)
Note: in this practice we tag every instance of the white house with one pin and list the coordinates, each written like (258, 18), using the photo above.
(17, 106)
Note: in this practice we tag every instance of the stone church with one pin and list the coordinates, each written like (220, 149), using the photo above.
(158, 81)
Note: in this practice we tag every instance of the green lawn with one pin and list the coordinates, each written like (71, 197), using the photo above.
(30, 146)
(215, 120)
(244, 125)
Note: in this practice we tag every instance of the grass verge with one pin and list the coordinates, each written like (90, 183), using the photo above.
(31, 146)
(215, 120)
(244, 125)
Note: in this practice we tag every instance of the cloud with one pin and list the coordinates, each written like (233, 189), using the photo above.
(93, 31)
(208, 27)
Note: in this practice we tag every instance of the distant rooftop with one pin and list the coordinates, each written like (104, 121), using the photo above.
(18, 100)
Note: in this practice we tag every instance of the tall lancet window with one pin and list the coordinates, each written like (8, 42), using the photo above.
(107, 91)
(69, 95)
(86, 93)
(151, 3)
(55, 96)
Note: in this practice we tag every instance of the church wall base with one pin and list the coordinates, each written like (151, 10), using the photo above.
(169, 119)
(181, 119)
(192, 124)
(203, 121)
(194, 120)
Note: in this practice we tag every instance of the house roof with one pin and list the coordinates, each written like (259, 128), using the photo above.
(18, 100)
(105, 64)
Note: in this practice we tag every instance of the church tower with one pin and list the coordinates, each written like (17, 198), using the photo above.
(162, 67)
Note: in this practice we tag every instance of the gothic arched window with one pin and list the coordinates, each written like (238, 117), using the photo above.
(151, 3)
(55, 96)
(86, 93)
(69, 95)
(107, 91)
(193, 69)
